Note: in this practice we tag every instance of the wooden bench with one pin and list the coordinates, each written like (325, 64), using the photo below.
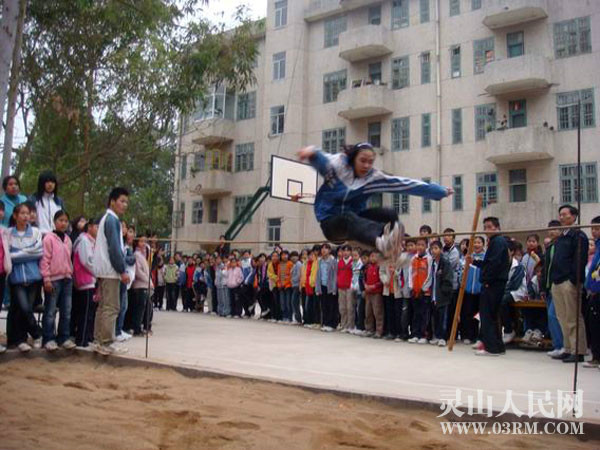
(529, 304)
(546, 344)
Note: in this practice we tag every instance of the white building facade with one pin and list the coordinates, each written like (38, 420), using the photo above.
(480, 95)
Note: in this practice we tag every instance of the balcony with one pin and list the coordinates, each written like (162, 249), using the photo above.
(522, 74)
(364, 100)
(514, 145)
(214, 131)
(214, 182)
(506, 13)
(369, 41)
(522, 215)
(320, 9)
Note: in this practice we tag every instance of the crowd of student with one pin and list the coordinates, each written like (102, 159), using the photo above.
(105, 282)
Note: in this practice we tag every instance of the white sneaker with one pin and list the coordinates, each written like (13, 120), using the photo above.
(413, 340)
(24, 347)
(2, 349)
(434, 341)
(385, 242)
(526, 337)
(537, 337)
(68, 345)
(37, 343)
(508, 337)
(397, 340)
(344, 330)
(121, 337)
(442, 343)
(476, 345)
(422, 341)
(51, 346)
(126, 334)
(556, 352)
(117, 349)
(485, 353)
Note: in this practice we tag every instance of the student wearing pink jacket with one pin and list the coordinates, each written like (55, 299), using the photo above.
(57, 272)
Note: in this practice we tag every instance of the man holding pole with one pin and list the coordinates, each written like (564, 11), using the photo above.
(494, 275)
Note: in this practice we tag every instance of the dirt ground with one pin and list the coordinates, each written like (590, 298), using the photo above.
(78, 403)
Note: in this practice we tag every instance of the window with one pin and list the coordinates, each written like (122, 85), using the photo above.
(589, 183)
(239, 203)
(400, 18)
(457, 126)
(219, 103)
(273, 231)
(454, 7)
(401, 134)
(375, 15)
(400, 73)
(374, 134)
(475, 4)
(455, 61)
(183, 169)
(277, 120)
(572, 37)
(515, 44)
(517, 184)
(197, 212)
(182, 213)
(244, 157)
(279, 66)
(517, 114)
(483, 53)
(426, 130)
(424, 10)
(426, 201)
(333, 83)
(375, 72)
(457, 198)
(425, 68)
(213, 210)
(246, 106)
(217, 159)
(333, 28)
(333, 139)
(567, 104)
(401, 203)
(199, 162)
(487, 186)
(375, 200)
(280, 13)
(485, 120)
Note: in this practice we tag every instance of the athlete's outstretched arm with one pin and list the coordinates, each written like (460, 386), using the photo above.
(316, 158)
(387, 183)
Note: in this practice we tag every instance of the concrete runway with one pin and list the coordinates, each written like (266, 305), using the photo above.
(348, 363)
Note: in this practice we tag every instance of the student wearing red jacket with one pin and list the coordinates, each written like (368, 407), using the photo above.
(346, 298)
(373, 298)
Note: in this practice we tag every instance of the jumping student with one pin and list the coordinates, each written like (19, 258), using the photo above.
(341, 202)
(57, 270)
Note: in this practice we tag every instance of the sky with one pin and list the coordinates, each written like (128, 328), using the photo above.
(217, 11)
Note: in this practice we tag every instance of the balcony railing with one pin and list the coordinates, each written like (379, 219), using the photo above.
(523, 144)
(364, 99)
(526, 73)
(506, 13)
(368, 41)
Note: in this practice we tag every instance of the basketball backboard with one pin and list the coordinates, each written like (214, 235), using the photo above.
(292, 180)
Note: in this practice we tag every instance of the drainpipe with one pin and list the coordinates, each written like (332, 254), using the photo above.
(175, 234)
(438, 92)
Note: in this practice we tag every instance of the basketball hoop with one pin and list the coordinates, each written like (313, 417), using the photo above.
(297, 197)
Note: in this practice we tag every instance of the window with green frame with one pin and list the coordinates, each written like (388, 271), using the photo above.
(517, 113)
(483, 53)
(487, 187)
(334, 26)
(485, 120)
(457, 198)
(515, 44)
(401, 134)
(567, 104)
(400, 73)
(454, 7)
(426, 207)
(425, 67)
(239, 203)
(400, 15)
(424, 10)
(333, 139)
(517, 184)
(401, 203)
(426, 130)
(589, 183)
(455, 69)
(457, 126)
(333, 83)
(572, 37)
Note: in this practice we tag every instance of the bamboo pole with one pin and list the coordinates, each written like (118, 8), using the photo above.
(463, 283)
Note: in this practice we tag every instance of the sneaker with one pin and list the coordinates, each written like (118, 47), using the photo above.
(573, 358)
(385, 242)
(24, 347)
(422, 341)
(103, 349)
(413, 340)
(537, 337)
(397, 340)
(327, 329)
(37, 343)
(484, 352)
(368, 334)
(466, 341)
(51, 346)
(442, 343)
(2, 349)
(434, 341)
(117, 349)
(68, 345)
(307, 325)
(121, 337)
(127, 335)
(478, 345)
(377, 336)
(527, 337)
(591, 364)
(389, 337)
(562, 355)
(508, 337)
(555, 352)
(265, 313)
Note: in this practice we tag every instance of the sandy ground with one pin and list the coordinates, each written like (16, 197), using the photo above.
(81, 403)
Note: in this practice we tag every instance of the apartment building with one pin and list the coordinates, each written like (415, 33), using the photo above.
(480, 95)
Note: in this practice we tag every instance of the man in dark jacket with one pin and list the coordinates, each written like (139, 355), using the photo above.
(494, 275)
(442, 275)
(570, 257)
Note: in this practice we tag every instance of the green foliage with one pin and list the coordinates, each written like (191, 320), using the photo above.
(106, 81)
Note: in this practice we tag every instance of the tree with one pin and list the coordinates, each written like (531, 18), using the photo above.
(106, 81)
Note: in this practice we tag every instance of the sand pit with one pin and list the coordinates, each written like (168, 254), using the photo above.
(80, 403)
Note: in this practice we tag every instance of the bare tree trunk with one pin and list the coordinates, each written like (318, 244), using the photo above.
(8, 26)
(89, 87)
(13, 91)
